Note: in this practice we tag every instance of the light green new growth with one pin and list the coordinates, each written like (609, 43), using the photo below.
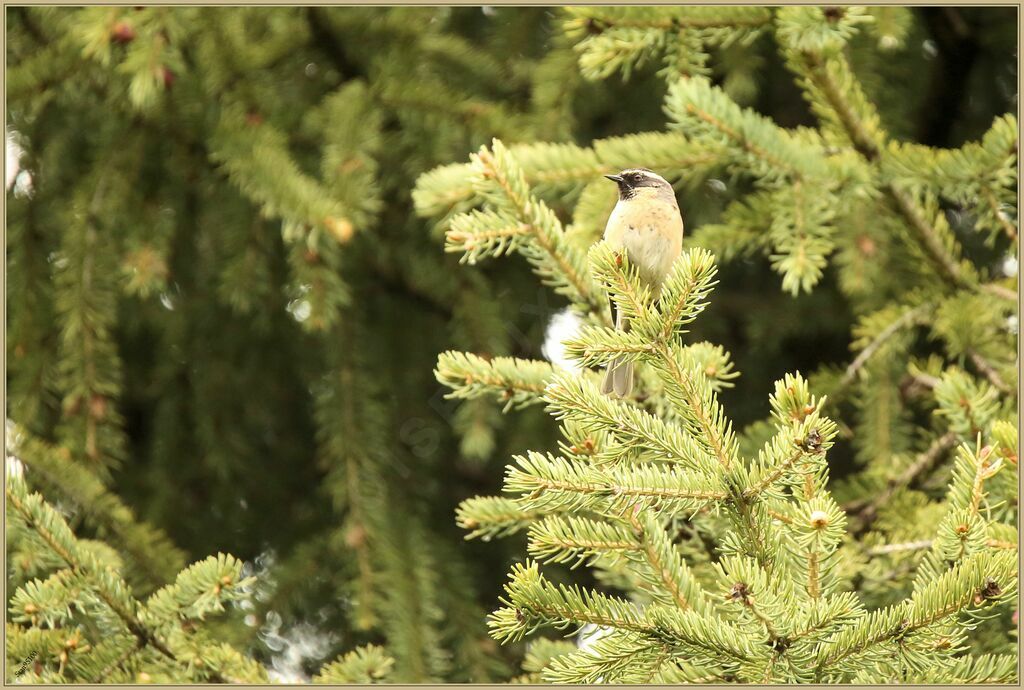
(159, 634)
(369, 664)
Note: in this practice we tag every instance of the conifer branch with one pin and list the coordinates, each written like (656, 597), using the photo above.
(768, 480)
(886, 549)
(989, 372)
(869, 146)
(675, 18)
(994, 208)
(515, 382)
(740, 140)
(976, 582)
(720, 441)
(908, 318)
(149, 548)
(560, 539)
(532, 601)
(572, 398)
(617, 657)
(711, 637)
(554, 167)
(867, 511)
(666, 570)
(492, 516)
(110, 589)
(549, 482)
(556, 261)
(927, 237)
(117, 663)
(366, 664)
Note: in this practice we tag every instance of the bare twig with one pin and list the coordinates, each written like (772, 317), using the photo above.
(986, 368)
(889, 331)
(896, 548)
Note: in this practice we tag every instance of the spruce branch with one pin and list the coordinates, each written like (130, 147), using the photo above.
(975, 583)
(110, 589)
(618, 657)
(821, 74)
(117, 663)
(500, 180)
(886, 549)
(551, 168)
(624, 39)
(866, 511)
(578, 540)
(706, 637)
(491, 516)
(928, 238)
(907, 318)
(668, 18)
(666, 572)
(970, 670)
(531, 602)
(696, 402)
(90, 367)
(776, 473)
(148, 547)
(541, 654)
(515, 382)
(481, 233)
(981, 174)
(969, 405)
(548, 482)
(756, 146)
(989, 371)
(253, 152)
(682, 299)
(573, 398)
(366, 664)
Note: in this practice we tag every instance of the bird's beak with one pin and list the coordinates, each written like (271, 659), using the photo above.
(615, 178)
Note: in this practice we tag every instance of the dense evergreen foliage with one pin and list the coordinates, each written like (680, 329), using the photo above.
(234, 246)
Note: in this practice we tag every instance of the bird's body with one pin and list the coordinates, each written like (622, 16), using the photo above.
(646, 223)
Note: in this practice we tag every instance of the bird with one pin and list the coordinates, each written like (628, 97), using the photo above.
(647, 225)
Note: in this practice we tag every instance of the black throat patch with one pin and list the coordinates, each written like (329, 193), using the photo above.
(626, 192)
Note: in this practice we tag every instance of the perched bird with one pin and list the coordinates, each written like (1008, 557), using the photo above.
(646, 223)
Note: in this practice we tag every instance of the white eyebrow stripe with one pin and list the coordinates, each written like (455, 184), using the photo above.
(645, 173)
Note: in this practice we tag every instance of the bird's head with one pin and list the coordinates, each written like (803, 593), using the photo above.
(636, 183)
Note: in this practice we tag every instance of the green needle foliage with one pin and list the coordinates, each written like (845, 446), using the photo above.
(773, 601)
(75, 619)
(722, 556)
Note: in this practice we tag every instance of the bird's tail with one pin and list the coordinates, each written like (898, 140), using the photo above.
(618, 378)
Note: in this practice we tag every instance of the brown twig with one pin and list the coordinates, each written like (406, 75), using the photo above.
(889, 331)
(986, 368)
